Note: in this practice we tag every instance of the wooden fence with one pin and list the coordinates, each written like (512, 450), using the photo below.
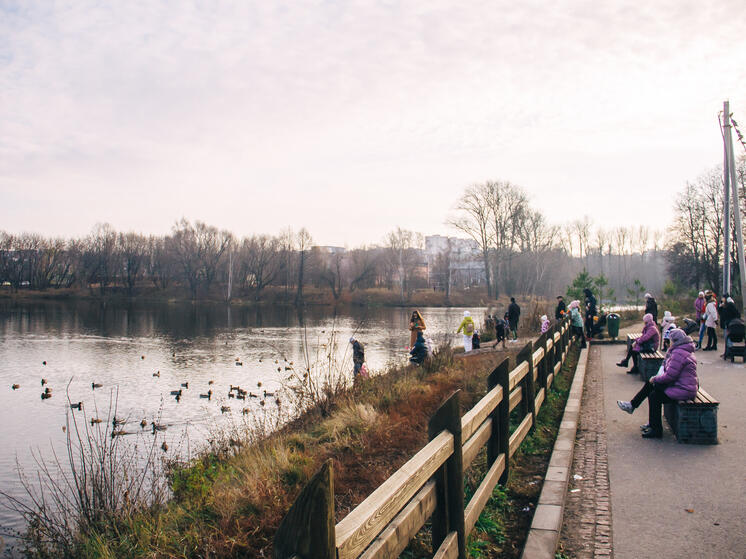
(431, 483)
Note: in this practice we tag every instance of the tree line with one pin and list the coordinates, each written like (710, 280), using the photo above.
(514, 250)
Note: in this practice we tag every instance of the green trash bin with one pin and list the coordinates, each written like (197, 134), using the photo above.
(612, 325)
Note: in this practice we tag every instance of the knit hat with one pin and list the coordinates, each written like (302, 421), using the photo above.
(730, 300)
(647, 317)
(678, 337)
(667, 316)
(543, 317)
(701, 294)
(648, 296)
(467, 313)
(352, 340)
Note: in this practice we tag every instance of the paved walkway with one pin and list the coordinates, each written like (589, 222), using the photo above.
(653, 484)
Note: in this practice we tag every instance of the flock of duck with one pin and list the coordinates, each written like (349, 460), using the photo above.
(234, 392)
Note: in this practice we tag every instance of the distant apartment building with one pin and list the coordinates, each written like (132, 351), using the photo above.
(454, 260)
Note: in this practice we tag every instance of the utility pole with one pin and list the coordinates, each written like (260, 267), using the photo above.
(726, 204)
(731, 167)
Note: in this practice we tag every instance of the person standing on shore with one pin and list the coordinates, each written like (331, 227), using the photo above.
(416, 324)
(514, 313)
(358, 356)
(467, 326)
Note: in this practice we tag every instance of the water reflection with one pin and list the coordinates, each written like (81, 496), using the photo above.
(74, 344)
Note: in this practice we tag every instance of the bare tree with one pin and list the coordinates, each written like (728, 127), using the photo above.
(474, 220)
(402, 255)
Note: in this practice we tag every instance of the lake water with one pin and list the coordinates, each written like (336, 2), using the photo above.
(121, 347)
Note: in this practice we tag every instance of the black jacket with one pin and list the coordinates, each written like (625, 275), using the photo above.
(358, 352)
(560, 308)
(652, 307)
(514, 312)
(590, 303)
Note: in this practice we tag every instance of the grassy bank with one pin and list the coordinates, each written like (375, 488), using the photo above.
(229, 502)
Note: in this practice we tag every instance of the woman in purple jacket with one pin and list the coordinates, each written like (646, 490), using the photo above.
(648, 341)
(678, 382)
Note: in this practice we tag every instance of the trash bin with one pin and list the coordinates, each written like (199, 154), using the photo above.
(612, 325)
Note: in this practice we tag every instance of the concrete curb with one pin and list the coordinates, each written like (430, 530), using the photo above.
(544, 533)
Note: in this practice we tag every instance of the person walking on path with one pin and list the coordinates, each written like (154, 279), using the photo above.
(648, 341)
(590, 312)
(358, 356)
(678, 382)
(699, 309)
(467, 326)
(514, 313)
(711, 321)
(419, 350)
(416, 324)
(576, 322)
(651, 306)
(559, 312)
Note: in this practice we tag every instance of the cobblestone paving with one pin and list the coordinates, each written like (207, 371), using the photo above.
(586, 528)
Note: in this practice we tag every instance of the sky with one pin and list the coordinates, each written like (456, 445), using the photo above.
(354, 118)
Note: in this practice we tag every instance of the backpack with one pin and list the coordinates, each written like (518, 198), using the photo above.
(469, 328)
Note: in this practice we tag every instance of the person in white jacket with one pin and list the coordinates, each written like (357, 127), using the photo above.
(711, 320)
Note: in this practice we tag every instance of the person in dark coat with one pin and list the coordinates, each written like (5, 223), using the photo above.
(514, 313)
(590, 312)
(728, 311)
(678, 382)
(651, 307)
(419, 350)
(561, 309)
(358, 356)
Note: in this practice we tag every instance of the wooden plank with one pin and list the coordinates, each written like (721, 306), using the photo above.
(397, 535)
(519, 434)
(557, 367)
(475, 443)
(550, 343)
(517, 374)
(308, 528)
(550, 378)
(539, 400)
(366, 521)
(483, 494)
(472, 419)
(537, 356)
(557, 337)
(515, 398)
(706, 395)
(449, 548)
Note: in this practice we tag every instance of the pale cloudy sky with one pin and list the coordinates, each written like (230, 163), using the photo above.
(352, 118)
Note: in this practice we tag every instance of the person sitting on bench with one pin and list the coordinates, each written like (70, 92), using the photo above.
(677, 382)
(648, 341)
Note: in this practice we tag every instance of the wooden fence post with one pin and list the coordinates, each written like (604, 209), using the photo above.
(529, 388)
(542, 370)
(449, 479)
(499, 441)
(307, 531)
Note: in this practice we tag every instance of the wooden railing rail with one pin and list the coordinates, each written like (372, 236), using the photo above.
(430, 485)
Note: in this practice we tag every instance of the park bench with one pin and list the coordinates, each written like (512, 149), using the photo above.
(694, 421)
(631, 340)
(648, 364)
